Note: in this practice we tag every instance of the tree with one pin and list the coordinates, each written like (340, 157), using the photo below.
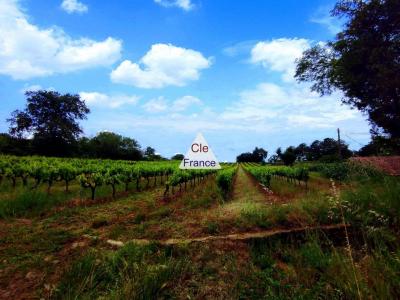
(258, 156)
(380, 146)
(363, 62)
(301, 151)
(111, 145)
(273, 159)
(130, 149)
(327, 150)
(14, 146)
(52, 120)
(86, 148)
(288, 157)
(278, 151)
(149, 152)
(178, 156)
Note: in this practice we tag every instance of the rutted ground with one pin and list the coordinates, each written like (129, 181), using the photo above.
(36, 251)
(202, 211)
(237, 236)
(199, 212)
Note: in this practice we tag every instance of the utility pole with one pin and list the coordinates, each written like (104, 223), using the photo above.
(339, 144)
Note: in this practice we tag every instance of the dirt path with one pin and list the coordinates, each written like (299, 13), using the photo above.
(235, 236)
(246, 189)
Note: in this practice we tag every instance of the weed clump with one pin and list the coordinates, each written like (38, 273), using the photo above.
(133, 272)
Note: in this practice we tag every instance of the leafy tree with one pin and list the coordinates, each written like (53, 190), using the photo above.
(107, 144)
(258, 156)
(288, 157)
(327, 149)
(15, 146)
(278, 152)
(114, 146)
(149, 152)
(130, 149)
(380, 146)
(245, 157)
(52, 120)
(178, 156)
(273, 159)
(301, 151)
(363, 61)
(86, 148)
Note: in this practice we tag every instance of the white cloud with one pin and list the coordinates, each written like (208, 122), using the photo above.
(74, 6)
(35, 88)
(110, 101)
(185, 102)
(160, 104)
(267, 108)
(279, 55)
(322, 16)
(239, 48)
(184, 4)
(163, 65)
(156, 105)
(287, 104)
(271, 106)
(27, 51)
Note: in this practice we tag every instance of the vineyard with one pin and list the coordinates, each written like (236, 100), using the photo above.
(142, 230)
(35, 172)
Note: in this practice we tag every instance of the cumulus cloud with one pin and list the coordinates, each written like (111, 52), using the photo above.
(110, 101)
(74, 6)
(160, 104)
(266, 108)
(279, 55)
(156, 105)
(185, 102)
(27, 51)
(163, 65)
(183, 4)
(275, 106)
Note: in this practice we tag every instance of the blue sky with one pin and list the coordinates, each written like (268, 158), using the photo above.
(162, 70)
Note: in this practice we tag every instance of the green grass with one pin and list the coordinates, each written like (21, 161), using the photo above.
(314, 269)
(26, 246)
(23, 201)
(282, 267)
(211, 227)
(374, 203)
(133, 272)
(255, 214)
(28, 203)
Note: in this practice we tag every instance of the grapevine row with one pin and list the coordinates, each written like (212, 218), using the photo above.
(90, 173)
(264, 174)
(182, 178)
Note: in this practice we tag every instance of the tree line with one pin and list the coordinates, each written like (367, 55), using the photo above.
(326, 150)
(105, 145)
(48, 126)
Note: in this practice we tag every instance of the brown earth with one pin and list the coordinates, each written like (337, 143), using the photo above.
(387, 164)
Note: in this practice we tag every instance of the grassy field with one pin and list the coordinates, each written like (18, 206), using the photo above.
(282, 242)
